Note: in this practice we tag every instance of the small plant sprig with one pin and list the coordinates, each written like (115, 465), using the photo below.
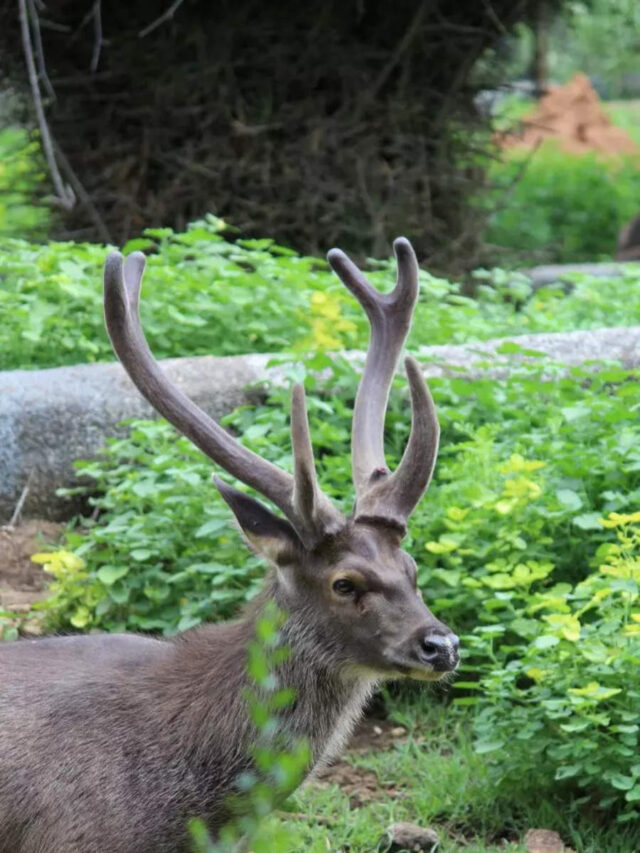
(280, 762)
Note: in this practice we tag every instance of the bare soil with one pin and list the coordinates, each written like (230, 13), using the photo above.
(572, 115)
(21, 581)
(360, 785)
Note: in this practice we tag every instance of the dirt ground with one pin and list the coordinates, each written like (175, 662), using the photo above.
(21, 581)
(360, 785)
(573, 116)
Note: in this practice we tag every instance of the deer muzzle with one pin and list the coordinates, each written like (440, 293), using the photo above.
(440, 651)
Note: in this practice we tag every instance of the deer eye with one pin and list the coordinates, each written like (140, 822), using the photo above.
(343, 586)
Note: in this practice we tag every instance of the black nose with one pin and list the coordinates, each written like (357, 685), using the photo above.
(441, 651)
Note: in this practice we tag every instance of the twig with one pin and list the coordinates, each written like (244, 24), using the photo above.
(65, 194)
(46, 24)
(16, 513)
(405, 43)
(84, 197)
(323, 821)
(42, 68)
(97, 36)
(166, 15)
(83, 23)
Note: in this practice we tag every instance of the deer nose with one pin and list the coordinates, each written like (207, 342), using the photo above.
(440, 650)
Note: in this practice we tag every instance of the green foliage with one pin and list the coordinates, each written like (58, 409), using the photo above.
(435, 778)
(564, 207)
(21, 181)
(596, 37)
(561, 678)
(206, 295)
(279, 763)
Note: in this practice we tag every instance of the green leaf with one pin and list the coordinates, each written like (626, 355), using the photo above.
(567, 771)
(484, 746)
(569, 499)
(546, 641)
(108, 575)
(621, 782)
(588, 521)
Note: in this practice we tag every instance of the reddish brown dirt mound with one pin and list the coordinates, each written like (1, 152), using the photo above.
(572, 115)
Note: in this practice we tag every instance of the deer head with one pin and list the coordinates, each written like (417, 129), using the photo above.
(348, 577)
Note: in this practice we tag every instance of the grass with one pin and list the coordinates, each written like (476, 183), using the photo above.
(625, 114)
(441, 782)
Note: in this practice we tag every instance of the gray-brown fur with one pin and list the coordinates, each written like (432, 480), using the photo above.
(111, 743)
(628, 248)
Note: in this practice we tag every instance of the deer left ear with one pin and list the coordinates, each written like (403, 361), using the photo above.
(267, 534)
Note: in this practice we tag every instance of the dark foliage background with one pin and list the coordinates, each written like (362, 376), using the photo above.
(319, 123)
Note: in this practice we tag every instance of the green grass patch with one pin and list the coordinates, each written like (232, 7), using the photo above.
(440, 781)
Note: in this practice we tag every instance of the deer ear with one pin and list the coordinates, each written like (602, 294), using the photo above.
(269, 536)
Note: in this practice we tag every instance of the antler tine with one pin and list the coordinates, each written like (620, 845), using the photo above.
(390, 320)
(308, 501)
(122, 283)
(396, 497)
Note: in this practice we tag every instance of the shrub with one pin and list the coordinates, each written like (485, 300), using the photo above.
(22, 213)
(564, 207)
(561, 678)
(205, 295)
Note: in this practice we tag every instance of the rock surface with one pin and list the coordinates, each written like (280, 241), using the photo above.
(403, 837)
(49, 418)
(545, 841)
(551, 273)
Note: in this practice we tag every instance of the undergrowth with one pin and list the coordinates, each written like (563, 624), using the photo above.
(563, 208)
(204, 294)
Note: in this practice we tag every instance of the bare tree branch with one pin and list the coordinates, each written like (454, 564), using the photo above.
(97, 36)
(84, 197)
(166, 15)
(42, 68)
(18, 509)
(65, 194)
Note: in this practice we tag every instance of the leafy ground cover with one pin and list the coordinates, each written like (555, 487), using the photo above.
(204, 294)
(564, 207)
(434, 777)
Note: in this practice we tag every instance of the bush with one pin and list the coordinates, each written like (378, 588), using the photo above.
(22, 178)
(565, 207)
(561, 681)
(205, 295)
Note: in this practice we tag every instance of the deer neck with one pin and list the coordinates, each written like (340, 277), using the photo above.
(329, 693)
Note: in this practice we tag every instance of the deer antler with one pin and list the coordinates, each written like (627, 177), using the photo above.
(298, 497)
(381, 495)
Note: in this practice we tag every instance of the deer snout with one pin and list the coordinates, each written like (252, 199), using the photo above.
(440, 650)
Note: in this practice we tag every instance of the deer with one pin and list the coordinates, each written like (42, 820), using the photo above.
(628, 244)
(113, 742)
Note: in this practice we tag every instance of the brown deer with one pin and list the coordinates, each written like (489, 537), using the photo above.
(112, 742)
(628, 248)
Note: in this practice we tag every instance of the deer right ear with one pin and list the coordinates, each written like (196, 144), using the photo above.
(269, 536)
